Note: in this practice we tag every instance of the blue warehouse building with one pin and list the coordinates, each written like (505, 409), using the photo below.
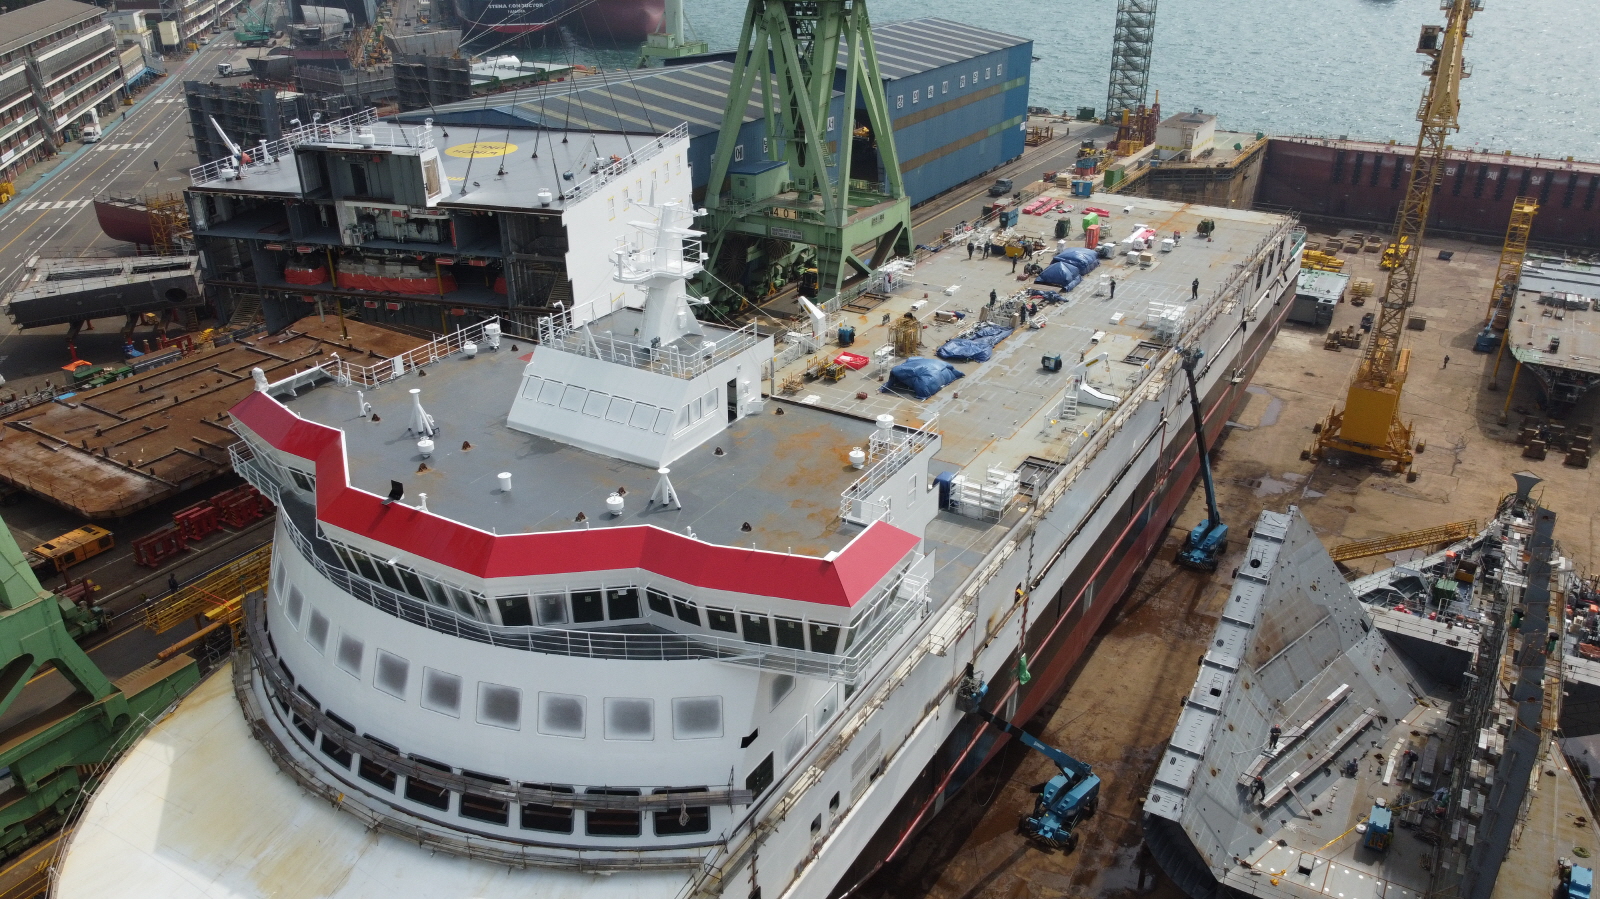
(958, 98)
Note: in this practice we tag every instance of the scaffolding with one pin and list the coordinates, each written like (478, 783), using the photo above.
(1131, 44)
(1444, 534)
(169, 224)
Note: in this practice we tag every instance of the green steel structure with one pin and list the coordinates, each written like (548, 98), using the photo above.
(49, 758)
(801, 193)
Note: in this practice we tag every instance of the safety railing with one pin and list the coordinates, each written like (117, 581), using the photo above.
(896, 603)
(335, 131)
(350, 374)
(889, 451)
(719, 345)
(619, 164)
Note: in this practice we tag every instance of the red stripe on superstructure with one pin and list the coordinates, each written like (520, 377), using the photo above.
(844, 581)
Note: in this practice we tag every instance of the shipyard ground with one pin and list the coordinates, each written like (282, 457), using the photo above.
(1122, 702)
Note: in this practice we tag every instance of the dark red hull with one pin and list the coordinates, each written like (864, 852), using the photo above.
(610, 21)
(1364, 181)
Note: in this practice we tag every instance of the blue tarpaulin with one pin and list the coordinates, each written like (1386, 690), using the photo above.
(1060, 275)
(921, 377)
(1084, 260)
(974, 347)
(1049, 296)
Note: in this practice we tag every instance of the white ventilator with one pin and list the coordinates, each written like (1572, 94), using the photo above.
(421, 422)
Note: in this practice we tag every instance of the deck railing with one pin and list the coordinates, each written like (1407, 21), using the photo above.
(604, 173)
(875, 622)
(558, 332)
(316, 132)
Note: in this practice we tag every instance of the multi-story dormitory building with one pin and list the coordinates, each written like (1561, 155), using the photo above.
(58, 61)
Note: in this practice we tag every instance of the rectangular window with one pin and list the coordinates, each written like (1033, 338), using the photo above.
(336, 752)
(550, 393)
(595, 405)
(612, 822)
(389, 575)
(660, 603)
(572, 399)
(586, 607)
(552, 608)
(303, 481)
(824, 638)
(485, 808)
(548, 818)
(761, 778)
(622, 604)
(722, 620)
(683, 818)
(374, 773)
(791, 633)
(364, 565)
(687, 611)
(413, 584)
(421, 791)
(756, 629)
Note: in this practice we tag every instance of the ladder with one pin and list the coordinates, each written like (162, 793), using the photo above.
(246, 309)
(1443, 534)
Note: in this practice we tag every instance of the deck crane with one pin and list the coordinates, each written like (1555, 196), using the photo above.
(1370, 422)
(1206, 542)
(1065, 800)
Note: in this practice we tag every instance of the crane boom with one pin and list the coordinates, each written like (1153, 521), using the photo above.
(1370, 423)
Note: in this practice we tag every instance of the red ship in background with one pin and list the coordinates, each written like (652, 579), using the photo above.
(619, 21)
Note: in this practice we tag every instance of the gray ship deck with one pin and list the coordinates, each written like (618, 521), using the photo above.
(784, 474)
(780, 473)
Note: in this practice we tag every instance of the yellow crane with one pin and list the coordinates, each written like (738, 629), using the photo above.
(1370, 423)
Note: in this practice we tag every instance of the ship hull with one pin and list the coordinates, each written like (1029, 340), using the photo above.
(1064, 629)
(610, 21)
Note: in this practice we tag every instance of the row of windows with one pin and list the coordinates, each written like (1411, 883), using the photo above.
(684, 819)
(47, 41)
(918, 95)
(617, 409)
(499, 705)
(595, 605)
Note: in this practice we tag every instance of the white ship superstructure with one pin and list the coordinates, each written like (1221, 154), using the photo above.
(593, 611)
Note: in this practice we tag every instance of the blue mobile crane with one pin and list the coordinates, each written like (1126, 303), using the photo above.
(1204, 545)
(1065, 800)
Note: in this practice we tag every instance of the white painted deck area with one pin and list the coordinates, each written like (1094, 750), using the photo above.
(198, 809)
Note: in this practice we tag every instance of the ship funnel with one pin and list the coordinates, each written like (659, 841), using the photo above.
(1526, 481)
(421, 422)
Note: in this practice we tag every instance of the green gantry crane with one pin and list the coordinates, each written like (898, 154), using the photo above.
(255, 29)
(814, 183)
(49, 758)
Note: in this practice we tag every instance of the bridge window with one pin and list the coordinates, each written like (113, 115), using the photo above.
(683, 819)
(548, 818)
(612, 822)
